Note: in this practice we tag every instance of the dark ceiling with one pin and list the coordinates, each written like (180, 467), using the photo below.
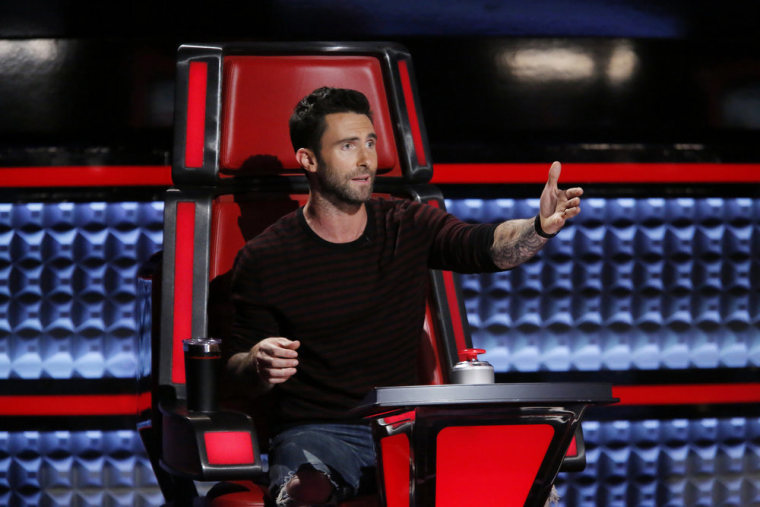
(390, 18)
(499, 81)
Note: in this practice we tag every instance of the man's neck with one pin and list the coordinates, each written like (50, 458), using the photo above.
(335, 222)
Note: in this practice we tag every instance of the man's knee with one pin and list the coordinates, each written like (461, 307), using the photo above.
(308, 486)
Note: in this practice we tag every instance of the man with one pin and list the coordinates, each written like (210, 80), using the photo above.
(330, 299)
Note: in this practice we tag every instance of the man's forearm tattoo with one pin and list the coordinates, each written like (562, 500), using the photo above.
(516, 246)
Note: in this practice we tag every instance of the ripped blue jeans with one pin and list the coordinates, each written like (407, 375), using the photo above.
(343, 452)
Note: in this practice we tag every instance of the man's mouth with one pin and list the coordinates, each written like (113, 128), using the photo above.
(361, 179)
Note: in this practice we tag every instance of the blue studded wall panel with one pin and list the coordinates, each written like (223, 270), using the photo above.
(67, 287)
(667, 463)
(662, 283)
(84, 468)
(630, 283)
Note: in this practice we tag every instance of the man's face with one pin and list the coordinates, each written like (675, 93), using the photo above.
(347, 162)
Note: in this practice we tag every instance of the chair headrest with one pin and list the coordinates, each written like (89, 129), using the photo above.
(260, 93)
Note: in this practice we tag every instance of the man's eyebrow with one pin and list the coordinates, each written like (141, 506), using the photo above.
(355, 138)
(347, 140)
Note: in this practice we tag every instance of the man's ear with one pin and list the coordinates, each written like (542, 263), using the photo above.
(307, 160)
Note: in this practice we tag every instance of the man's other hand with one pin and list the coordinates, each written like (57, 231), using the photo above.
(275, 359)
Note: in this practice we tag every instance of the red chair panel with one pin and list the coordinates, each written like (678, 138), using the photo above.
(183, 284)
(572, 450)
(260, 93)
(500, 461)
(196, 114)
(396, 460)
(228, 447)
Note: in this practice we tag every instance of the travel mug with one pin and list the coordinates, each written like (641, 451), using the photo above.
(203, 361)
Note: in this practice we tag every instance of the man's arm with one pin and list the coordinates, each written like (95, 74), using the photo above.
(252, 369)
(516, 241)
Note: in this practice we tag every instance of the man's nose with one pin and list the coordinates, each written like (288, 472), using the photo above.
(366, 157)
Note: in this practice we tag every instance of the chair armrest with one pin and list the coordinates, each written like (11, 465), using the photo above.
(208, 446)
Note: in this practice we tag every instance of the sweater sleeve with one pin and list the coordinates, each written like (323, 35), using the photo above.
(456, 245)
(253, 320)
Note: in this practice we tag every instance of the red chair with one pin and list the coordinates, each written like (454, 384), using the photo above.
(235, 173)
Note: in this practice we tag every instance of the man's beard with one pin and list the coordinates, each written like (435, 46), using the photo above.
(342, 189)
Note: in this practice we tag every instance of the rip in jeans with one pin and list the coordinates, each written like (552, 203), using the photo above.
(283, 499)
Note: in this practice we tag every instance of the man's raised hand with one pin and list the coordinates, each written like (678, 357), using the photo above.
(556, 206)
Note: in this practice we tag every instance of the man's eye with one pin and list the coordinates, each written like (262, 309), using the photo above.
(371, 144)
(347, 146)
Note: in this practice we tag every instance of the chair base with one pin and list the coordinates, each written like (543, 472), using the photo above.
(236, 494)
(250, 494)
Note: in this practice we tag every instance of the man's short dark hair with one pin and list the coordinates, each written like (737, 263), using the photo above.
(307, 124)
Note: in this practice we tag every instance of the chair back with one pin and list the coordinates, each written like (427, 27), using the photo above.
(235, 173)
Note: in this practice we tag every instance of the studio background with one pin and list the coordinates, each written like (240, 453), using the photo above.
(655, 107)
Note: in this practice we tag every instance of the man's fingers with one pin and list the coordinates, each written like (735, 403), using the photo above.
(280, 347)
(274, 362)
(280, 375)
(574, 192)
(291, 344)
(554, 172)
(285, 347)
(276, 371)
(571, 212)
(272, 352)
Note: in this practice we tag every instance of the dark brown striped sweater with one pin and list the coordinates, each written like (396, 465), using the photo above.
(357, 308)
